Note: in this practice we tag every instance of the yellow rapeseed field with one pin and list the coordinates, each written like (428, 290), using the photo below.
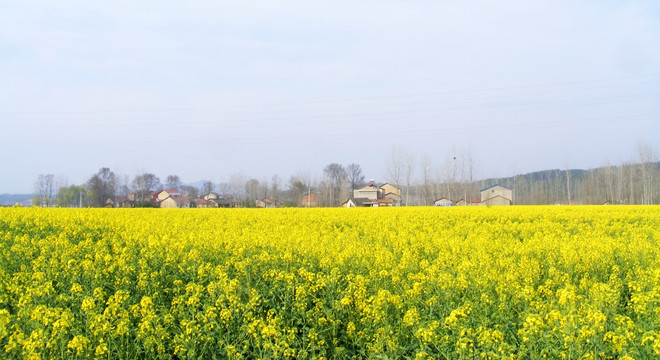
(439, 283)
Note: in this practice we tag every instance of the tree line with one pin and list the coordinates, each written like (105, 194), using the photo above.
(420, 180)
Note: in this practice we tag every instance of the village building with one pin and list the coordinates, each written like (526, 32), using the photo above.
(310, 200)
(172, 199)
(374, 196)
(443, 202)
(266, 203)
(469, 202)
(497, 195)
(215, 200)
(365, 202)
(369, 192)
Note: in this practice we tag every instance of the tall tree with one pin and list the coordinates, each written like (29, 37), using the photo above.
(145, 183)
(298, 187)
(252, 192)
(396, 165)
(173, 182)
(355, 176)
(335, 178)
(207, 187)
(647, 168)
(102, 187)
(44, 187)
(409, 166)
(427, 187)
(71, 196)
(275, 188)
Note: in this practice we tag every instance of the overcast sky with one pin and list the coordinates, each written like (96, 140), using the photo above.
(207, 89)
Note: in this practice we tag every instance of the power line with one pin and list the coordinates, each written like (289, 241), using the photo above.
(376, 134)
(655, 77)
(369, 116)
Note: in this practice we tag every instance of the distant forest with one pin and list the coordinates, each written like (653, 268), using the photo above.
(620, 184)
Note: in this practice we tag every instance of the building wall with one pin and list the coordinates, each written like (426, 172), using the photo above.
(497, 191)
(168, 203)
(309, 200)
(369, 193)
(389, 188)
(497, 200)
(163, 195)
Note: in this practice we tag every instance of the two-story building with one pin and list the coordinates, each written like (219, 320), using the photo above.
(497, 195)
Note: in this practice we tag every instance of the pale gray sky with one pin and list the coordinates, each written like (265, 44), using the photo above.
(206, 89)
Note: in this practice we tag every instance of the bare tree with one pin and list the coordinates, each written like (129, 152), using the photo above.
(123, 185)
(426, 173)
(237, 187)
(409, 166)
(335, 180)
(396, 165)
(299, 186)
(355, 176)
(252, 192)
(44, 187)
(102, 187)
(207, 187)
(647, 158)
(144, 184)
(224, 188)
(275, 188)
(173, 182)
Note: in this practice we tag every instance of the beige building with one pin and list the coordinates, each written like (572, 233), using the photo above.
(497, 195)
(390, 189)
(369, 192)
(172, 199)
(373, 196)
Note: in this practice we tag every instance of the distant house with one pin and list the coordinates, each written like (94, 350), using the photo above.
(383, 202)
(266, 203)
(201, 203)
(310, 200)
(122, 202)
(216, 200)
(211, 195)
(469, 202)
(172, 199)
(390, 189)
(224, 202)
(497, 195)
(182, 201)
(384, 195)
(168, 203)
(357, 202)
(443, 202)
(369, 192)
(366, 202)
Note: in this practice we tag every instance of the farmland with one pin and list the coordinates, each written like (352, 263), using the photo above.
(491, 283)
